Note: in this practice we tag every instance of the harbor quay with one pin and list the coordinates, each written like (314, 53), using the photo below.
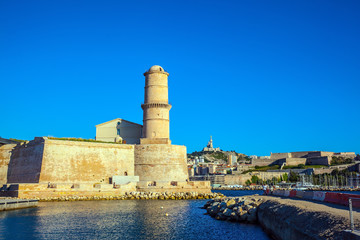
(15, 203)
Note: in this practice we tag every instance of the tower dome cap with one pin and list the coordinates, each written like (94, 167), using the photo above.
(156, 69)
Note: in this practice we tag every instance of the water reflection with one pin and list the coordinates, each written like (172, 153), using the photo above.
(127, 219)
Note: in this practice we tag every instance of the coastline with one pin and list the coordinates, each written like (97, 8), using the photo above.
(135, 196)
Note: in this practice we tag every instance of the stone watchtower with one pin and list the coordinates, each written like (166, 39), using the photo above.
(160, 165)
(156, 107)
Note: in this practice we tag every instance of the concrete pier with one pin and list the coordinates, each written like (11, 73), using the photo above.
(11, 204)
(297, 219)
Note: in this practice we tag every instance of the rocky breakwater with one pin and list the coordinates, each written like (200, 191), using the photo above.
(138, 196)
(239, 209)
(284, 218)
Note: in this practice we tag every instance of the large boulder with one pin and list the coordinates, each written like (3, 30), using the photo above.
(220, 216)
(213, 209)
(234, 216)
(223, 206)
(227, 212)
(231, 203)
(251, 218)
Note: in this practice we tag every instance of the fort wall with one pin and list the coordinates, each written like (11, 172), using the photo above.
(325, 160)
(58, 161)
(5, 153)
(320, 154)
(161, 162)
(263, 162)
(300, 154)
(295, 161)
(71, 161)
(275, 156)
(241, 179)
(25, 162)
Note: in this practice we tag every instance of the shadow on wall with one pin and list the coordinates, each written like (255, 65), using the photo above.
(25, 162)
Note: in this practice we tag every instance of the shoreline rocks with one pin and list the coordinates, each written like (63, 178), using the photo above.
(237, 209)
(137, 196)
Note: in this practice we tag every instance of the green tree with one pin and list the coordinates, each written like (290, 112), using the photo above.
(285, 177)
(294, 177)
(301, 166)
(248, 158)
(335, 172)
(255, 179)
(274, 180)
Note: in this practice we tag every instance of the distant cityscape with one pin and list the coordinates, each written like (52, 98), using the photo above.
(232, 168)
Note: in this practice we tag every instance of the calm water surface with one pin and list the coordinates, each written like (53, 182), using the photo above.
(126, 219)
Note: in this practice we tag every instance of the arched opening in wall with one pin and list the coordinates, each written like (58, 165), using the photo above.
(125, 174)
(152, 184)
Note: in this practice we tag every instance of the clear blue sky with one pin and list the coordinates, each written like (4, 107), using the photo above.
(259, 76)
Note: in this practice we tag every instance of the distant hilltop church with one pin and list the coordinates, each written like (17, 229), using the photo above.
(209, 147)
(148, 162)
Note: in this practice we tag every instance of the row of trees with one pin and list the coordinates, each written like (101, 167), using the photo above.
(337, 178)
(255, 179)
(341, 160)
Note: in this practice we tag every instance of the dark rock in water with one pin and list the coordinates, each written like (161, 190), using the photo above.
(222, 206)
(220, 216)
(242, 209)
(227, 212)
(214, 209)
(207, 204)
(231, 203)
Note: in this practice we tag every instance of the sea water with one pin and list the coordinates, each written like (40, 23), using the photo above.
(122, 219)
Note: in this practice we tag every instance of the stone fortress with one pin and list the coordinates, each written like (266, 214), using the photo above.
(303, 157)
(46, 167)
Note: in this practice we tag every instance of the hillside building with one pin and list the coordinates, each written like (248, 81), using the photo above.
(119, 129)
(232, 160)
